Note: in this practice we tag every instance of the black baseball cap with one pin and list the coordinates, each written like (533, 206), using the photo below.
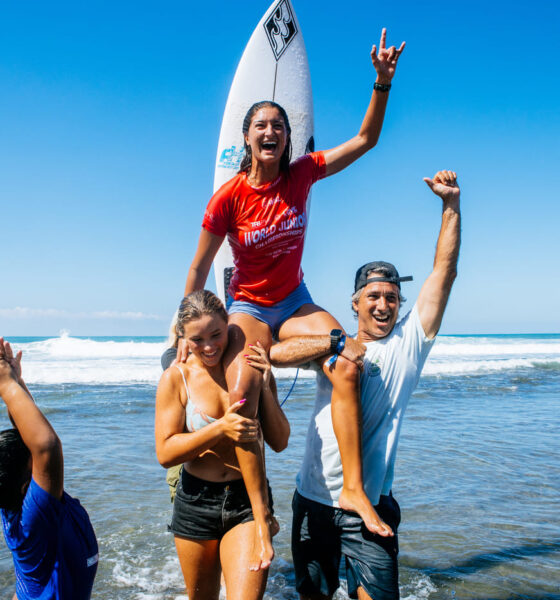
(392, 275)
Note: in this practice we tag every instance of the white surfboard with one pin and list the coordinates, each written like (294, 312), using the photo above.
(273, 67)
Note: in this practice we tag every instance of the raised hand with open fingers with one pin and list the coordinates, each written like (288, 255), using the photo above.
(10, 365)
(385, 59)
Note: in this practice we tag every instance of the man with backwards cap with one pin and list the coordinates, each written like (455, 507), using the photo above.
(391, 355)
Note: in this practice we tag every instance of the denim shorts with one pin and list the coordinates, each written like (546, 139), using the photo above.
(322, 534)
(207, 510)
(276, 314)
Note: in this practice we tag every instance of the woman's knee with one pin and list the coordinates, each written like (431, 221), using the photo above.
(345, 371)
(243, 381)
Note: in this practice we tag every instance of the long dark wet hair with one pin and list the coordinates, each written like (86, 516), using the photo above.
(286, 157)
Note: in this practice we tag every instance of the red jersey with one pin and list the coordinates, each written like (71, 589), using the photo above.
(266, 229)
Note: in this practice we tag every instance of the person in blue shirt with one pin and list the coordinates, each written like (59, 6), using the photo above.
(51, 538)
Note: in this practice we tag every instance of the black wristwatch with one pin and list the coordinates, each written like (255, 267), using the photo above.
(336, 334)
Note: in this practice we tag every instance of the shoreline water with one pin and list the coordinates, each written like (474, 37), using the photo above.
(126, 360)
(477, 473)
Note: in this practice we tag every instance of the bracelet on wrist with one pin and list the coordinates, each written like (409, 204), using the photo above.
(341, 344)
(338, 341)
(381, 87)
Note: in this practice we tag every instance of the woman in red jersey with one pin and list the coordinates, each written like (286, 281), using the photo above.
(262, 210)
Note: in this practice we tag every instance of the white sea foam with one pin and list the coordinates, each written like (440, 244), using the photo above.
(418, 588)
(464, 367)
(481, 347)
(66, 347)
(149, 582)
(464, 355)
(69, 360)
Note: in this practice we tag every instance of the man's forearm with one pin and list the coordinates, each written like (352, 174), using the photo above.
(299, 350)
(449, 242)
(434, 294)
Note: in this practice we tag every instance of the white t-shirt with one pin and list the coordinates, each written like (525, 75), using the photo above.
(392, 369)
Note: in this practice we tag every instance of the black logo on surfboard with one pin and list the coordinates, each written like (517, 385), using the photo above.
(310, 146)
(280, 28)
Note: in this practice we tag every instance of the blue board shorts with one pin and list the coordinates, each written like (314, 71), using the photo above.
(322, 535)
(274, 316)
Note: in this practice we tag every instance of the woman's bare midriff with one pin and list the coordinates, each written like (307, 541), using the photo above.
(218, 464)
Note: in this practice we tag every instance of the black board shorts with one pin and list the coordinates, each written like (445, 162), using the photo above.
(322, 534)
(207, 510)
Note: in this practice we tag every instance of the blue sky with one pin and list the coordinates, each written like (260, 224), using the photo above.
(109, 121)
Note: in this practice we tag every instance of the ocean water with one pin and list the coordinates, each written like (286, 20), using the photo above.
(477, 475)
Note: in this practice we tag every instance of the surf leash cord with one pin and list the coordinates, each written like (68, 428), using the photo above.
(291, 389)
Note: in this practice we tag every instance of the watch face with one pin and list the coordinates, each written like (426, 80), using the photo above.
(336, 334)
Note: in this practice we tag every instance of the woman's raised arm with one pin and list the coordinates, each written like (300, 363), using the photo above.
(385, 63)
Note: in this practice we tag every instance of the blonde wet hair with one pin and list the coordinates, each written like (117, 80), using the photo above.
(194, 306)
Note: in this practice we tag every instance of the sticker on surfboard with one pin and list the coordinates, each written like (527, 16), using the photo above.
(280, 28)
(231, 157)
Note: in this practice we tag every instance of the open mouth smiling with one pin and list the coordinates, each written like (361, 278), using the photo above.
(381, 319)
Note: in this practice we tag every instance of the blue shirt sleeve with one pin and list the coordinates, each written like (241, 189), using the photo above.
(53, 546)
(32, 533)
